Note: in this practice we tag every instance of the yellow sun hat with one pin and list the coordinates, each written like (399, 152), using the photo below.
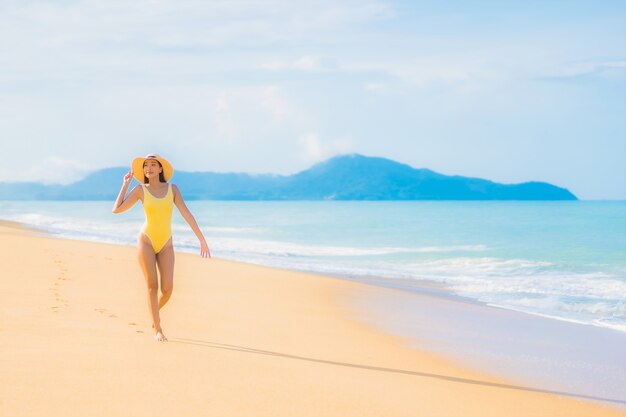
(137, 167)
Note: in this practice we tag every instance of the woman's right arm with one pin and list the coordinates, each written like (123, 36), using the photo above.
(122, 205)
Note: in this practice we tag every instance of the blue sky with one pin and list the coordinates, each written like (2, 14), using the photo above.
(503, 90)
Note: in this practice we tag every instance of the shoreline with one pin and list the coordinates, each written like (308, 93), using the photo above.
(583, 360)
(420, 286)
(382, 278)
(270, 330)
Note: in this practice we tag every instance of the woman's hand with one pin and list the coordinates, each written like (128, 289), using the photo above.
(204, 250)
(128, 177)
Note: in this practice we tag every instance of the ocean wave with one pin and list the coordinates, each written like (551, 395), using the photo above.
(287, 249)
(519, 276)
(122, 231)
(183, 228)
(617, 323)
(529, 286)
(537, 287)
(587, 294)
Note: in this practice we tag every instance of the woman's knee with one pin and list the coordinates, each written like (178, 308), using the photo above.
(152, 285)
(166, 290)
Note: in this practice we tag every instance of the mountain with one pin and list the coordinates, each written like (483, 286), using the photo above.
(344, 177)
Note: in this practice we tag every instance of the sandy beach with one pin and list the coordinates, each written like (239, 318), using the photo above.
(244, 340)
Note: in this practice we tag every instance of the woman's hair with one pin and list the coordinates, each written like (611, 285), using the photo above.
(161, 177)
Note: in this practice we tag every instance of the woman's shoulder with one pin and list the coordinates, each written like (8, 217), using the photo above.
(137, 192)
(175, 192)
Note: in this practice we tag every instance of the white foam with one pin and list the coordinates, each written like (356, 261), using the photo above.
(211, 230)
(618, 325)
(277, 248)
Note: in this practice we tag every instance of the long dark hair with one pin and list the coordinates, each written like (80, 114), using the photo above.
(161, 176)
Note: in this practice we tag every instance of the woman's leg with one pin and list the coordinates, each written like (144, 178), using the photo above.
(147, 261)
(165, 262)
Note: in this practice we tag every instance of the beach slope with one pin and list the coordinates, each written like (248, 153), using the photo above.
(244, 340)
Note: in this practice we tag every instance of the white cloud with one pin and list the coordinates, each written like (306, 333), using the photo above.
(424, 73)
(459, 73)
(307, 63)
(312, 146)
(117, 39)
(236, 80)
(272, 100)
(55, 170)
(375, 86)
(588, 68)
(243, 111)
(314, 149)
(225, 125)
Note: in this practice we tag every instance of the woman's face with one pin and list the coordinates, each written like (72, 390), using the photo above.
(151, 168)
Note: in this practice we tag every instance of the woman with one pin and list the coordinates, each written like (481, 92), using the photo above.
(155, 239)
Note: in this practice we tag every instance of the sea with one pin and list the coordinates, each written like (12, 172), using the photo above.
(565, 260)
(534, 291)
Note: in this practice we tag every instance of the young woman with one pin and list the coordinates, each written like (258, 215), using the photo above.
(155, 239)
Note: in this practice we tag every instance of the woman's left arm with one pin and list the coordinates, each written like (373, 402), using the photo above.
(180, 204)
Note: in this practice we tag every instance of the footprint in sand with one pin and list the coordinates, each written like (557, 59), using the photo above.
(135, 324)
(55, 288)
(103, 310)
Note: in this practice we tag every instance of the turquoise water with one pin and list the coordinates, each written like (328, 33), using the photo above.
(565, 260)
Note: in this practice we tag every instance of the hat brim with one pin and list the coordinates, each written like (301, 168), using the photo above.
(137, 168)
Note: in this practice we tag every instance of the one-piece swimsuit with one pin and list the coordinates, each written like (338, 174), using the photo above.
(158, 224)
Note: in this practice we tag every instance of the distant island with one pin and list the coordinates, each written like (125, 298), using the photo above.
(344, 177)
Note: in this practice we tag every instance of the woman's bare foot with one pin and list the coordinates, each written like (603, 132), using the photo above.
(160, 337)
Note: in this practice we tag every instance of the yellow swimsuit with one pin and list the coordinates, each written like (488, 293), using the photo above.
(158, 225)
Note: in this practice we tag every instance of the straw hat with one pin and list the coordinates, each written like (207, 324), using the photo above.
(137, 167)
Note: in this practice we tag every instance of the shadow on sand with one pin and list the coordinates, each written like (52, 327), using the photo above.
(215, 345)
